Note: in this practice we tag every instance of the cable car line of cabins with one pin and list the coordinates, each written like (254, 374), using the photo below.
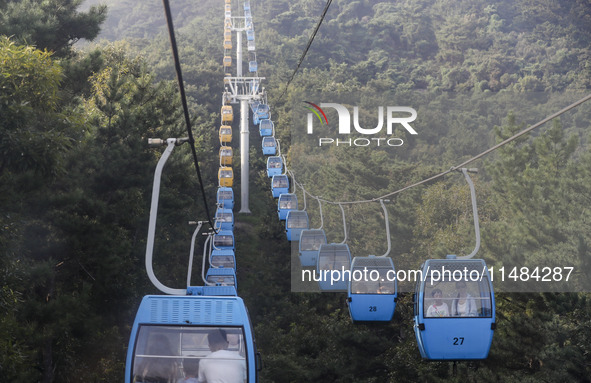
(164, 343)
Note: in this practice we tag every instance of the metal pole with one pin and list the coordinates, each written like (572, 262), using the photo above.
(239, 53)
(244, 156)
(474, 213)
(152, 223)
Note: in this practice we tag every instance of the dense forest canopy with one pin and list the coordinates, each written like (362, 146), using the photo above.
(85, 83)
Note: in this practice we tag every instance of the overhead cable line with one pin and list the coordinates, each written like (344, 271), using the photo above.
(179, 75)
(328, 2)
(457, 167)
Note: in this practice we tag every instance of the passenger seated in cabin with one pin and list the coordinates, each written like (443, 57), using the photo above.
(438, 308)
(360, 287)
(159, 367)
(223, 240)
(463, 305)
(281, 183)
(373, 287)
(221, 366)
(191, 369)
(386, 286)
(327, 265)
(309, 244)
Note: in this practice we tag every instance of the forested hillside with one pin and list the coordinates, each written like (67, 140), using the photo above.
(76, 176)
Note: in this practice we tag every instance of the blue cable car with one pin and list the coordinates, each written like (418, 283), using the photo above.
(454, 310)
(310, 242)
(224, 219)
(223, 258)
(250, 35)
(223, 240)
(372, 292)
(247, 5)
(171, 333)
(266, 127)
(295, 222)
(269, 146)
(279, 185)
(221, 276)
(260, 113)
(263, 111)
(286, 203)
(274, 166)
(225, 198)
(254, 105)
(252, 66)
(333, 259)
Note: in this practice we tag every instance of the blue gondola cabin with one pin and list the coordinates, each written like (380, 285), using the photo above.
(310, 242)
(173, 335)
(454, 310)
(266, 127)
(286, 203)
(295, 222)
(274, 166)
(225, 198)
(279, 185)
(333, 260)
(372, 292)
(269, 146)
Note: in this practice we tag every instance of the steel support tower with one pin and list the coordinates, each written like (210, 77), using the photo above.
(243, 90)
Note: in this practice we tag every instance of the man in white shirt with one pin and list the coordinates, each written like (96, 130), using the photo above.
(221, 366)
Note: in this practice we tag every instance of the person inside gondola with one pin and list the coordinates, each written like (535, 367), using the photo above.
(191, 369)
(463, 305)
(159, 367)
(386, 287)
(438, 308)
(222, 365)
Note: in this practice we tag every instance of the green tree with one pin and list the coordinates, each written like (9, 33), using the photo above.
(54, 25)
(35, 130)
